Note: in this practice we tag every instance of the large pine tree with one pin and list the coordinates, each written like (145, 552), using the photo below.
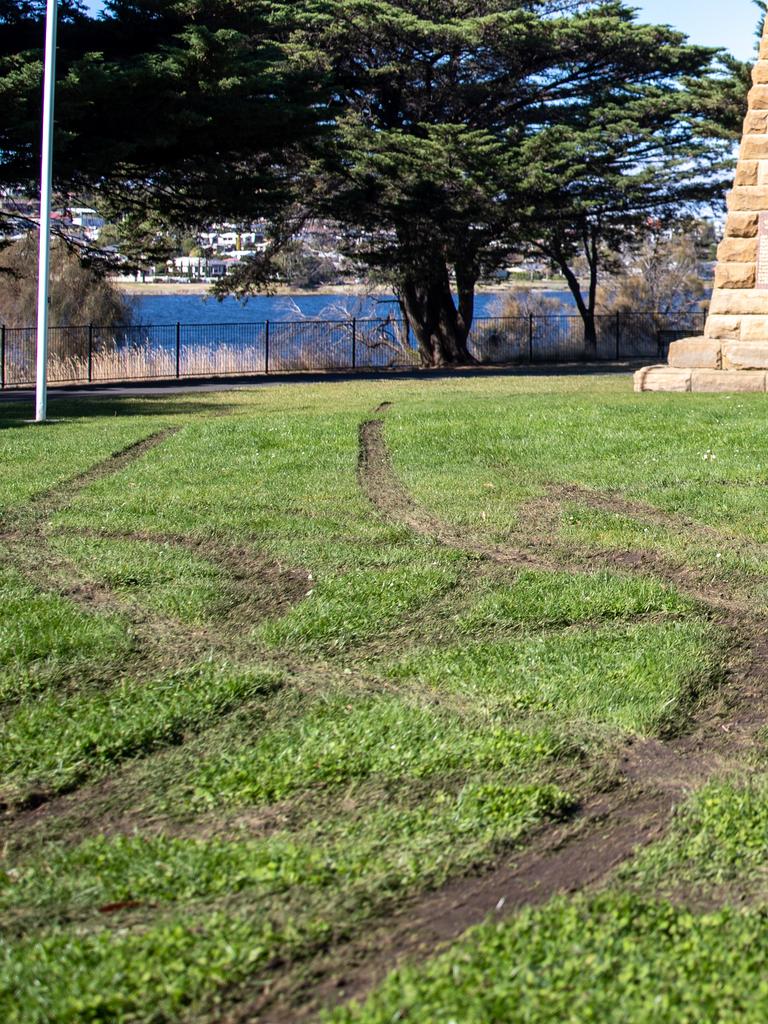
(469, 128)
(443, 133)
(175, 112)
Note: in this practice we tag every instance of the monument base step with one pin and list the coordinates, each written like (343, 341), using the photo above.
(673, 378)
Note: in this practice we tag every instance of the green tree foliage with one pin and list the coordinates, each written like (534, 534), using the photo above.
(637, 156)
(444, 134)
(21, 41)
(762, 6)
(175, 112)
(468, 130)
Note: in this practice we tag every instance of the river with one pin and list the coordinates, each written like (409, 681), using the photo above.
(200, 309)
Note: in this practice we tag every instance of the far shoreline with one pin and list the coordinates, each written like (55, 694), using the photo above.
(204, 290)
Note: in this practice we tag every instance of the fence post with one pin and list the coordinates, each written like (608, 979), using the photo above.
(2, 355)
(618, 336)
(178, 350)
(354, 342)
(90, 353)
(530, 337)
(266, 347)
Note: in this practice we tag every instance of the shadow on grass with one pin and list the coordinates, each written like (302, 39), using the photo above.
(16, 406)
(20, 414)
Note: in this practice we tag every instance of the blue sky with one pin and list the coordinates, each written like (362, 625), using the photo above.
(728, 23)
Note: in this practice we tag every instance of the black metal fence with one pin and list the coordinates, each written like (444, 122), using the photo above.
(100, 354)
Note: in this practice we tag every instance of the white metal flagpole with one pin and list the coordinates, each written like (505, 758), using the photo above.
(46, 190)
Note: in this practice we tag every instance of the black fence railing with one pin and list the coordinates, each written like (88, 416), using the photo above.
(101, 354)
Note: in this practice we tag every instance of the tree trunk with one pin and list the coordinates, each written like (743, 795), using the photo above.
(415, 305)
(451, 337)
(591, 234)
(440, 328)
(586, 309)
(590, 336)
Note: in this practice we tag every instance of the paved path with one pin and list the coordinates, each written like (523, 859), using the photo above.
(141, 389)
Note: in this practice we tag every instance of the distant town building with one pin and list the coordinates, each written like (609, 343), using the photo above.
(88, 220)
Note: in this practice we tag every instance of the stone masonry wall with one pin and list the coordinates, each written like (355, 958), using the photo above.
(738, 315)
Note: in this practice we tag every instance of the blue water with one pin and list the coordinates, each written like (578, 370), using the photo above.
(199, 309)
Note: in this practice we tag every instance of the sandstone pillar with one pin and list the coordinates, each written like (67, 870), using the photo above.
(733, 354)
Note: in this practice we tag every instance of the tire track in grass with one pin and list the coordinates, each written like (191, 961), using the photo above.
(654, 775)
(28, 533)
(255, 585)
(606, 831)
(569, 857)
(379, 482)
(55, 498)
(616, 504)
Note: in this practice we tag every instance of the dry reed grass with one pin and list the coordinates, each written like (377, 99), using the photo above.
(154, 363)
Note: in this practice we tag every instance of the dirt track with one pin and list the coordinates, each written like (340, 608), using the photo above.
(255, 584)
(655, 775)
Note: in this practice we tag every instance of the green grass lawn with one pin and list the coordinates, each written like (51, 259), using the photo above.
(210, 777)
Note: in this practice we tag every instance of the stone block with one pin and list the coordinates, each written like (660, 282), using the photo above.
(695, 352)
(753, 328)
(754, 147)
(735, 275)
(737, 250)
(747, 172)
(745, 355)
(756, 122)
(762, 172)
(725, 328)
(662, 378)
(748, 198)
(727, 381)
(741, 225)
(758, 97)
(760, 72)
(764, 49)
(738, 301)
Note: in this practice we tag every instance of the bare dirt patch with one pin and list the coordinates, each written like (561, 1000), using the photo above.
(568, 858)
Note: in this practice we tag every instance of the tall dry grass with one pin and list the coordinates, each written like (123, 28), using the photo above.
(153, 363)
